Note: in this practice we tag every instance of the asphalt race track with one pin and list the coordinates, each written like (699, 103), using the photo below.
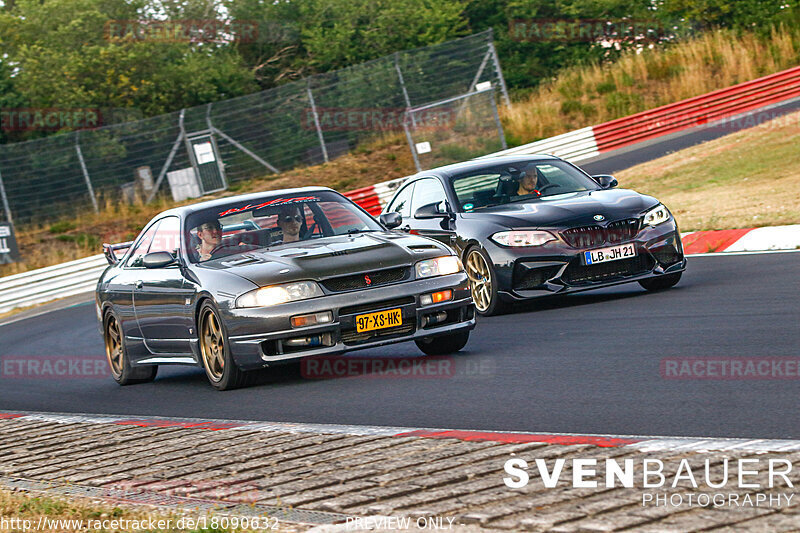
(586, 363)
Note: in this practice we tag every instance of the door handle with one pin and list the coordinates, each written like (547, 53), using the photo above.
(138, 284)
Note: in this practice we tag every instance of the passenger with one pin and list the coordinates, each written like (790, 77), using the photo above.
(290, 221)
(210, 235)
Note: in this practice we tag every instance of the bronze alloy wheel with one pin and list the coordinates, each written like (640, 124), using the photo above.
(114, 351)
(480, 280)
(212, 345)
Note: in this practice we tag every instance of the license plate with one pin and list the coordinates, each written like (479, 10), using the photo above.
(379, 320)
(613, 253)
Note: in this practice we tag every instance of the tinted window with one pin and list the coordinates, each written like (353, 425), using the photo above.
(428, 191)
(273, 221)
(135, 259)
(402, 202)
(167, 237)
(523, 181)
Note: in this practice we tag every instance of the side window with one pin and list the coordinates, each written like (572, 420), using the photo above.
(427, 192)
(168, 236)
(135, 260)
(402, 202)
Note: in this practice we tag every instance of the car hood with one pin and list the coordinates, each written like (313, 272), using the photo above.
(329, 257)
(571, 209)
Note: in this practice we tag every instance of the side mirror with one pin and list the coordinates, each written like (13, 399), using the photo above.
(391, 220)
(606, 181)
(431, 211)
(158, 260)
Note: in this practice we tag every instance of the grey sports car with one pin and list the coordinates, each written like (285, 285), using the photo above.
(247, 282)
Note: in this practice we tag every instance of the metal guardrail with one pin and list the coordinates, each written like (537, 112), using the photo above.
(51, 283)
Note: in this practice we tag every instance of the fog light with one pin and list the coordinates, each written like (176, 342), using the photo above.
(432, 319)
(436, 297)
(309, 342)
(326, 317)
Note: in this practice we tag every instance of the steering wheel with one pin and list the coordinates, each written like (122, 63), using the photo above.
(544, 188)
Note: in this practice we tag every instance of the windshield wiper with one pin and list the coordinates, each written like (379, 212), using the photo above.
(355, 231)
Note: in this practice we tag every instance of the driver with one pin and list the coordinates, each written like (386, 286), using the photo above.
(210, 235)
(528, 183)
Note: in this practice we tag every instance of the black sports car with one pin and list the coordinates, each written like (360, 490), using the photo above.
(246, 282)
(530, 226)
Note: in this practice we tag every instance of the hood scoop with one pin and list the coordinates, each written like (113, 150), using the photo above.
(421, 248)
(243, 260)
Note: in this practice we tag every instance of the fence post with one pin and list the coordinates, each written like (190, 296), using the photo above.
(499, 71)
(316, 120)
(3, 196)
(497, 121)
(403, 86)
(411, 145)
(235, 143)
(168, 162)
(85, 172)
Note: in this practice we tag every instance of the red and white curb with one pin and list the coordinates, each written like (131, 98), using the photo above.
(640, 443)
(742, 240)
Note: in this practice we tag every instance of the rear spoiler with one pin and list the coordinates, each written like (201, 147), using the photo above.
(110, 251)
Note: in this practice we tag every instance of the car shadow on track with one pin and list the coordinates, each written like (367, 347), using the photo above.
(592, 297)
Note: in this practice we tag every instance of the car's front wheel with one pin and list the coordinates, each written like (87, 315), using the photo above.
(483, 282)
(221, 371)
(118, 360)
(662, 282)
(444, 344)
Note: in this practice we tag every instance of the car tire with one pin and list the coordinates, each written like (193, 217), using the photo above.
(117, 355)
(215, 353)
(483, 282)
(662, 282)
(443, 344)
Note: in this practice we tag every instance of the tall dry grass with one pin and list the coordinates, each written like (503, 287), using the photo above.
(584, 96)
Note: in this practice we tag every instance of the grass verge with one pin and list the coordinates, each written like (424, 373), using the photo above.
(747, 179)
(585, 96)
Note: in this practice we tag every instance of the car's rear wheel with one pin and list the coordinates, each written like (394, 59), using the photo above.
(221, 371)
(118, 360)
(443, 344)
(483, 282)
(662, 282)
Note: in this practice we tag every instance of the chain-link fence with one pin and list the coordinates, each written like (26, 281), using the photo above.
(198, 150)
(454, 129)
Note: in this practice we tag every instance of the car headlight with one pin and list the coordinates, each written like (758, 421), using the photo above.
(279, 294)
(438, 266)
(658, 215)
(522, 238)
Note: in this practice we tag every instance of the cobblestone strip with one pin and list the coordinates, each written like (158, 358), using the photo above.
(371, 474)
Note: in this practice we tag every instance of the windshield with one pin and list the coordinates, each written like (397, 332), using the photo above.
(518, 182)
(271, 221)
